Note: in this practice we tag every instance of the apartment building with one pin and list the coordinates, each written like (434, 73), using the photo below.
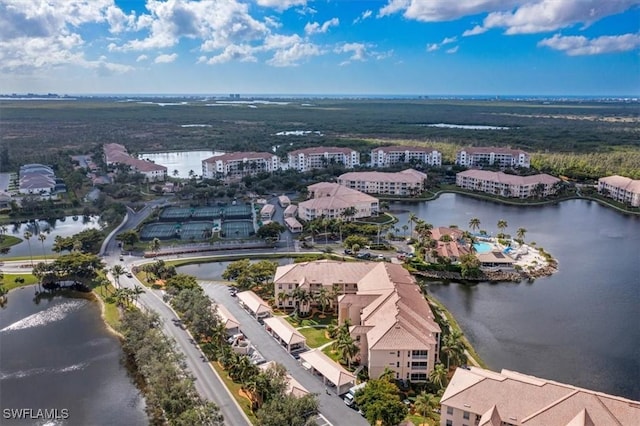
(405, 183)
(621, 189)
(36, 179)
(386, 156)
(115, 153)
(235, 165)
(307, 159)
(499, 183)
(335, 201)
(485, 398)
(493, 156)
(392, 322)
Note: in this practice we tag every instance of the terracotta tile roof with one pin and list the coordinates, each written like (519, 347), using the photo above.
(333, 371)
(322, 150)
(490, 149)
(404, 148)
(405, 176)
(253, 302)
(622, 182)
(233, 156)
(227, 317)
(284, 330)
(527, 400)
(334, 196)
(504, 178)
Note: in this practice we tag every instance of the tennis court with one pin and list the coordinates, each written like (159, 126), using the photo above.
(175, 213)
(206, 213)
(196, 230)
(160, 230)
(240, 211)
(237, 229)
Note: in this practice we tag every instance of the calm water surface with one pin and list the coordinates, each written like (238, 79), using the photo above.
(58, 354)
(579, 326)
(183, 162)
(213, 271)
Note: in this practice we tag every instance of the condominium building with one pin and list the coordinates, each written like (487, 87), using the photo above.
(307, 159)
(115, 153)
(234, 165)
(485, 398)
(621, 189)
(37, 179)
(386, 156)
(335, 201)
(498, 183)
(392, 322)
(493, 156)
(406, 182)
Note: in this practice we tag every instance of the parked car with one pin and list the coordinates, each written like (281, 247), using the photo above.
(381, 257)
(347, 251)
(364, 255)
(129, 274)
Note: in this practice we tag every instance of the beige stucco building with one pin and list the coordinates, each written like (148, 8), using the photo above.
(331, 200)
(499, 183)
(234, 165)
(386, 156)
(620, 188)
(391, 320)
(485, 398)
(115, 153)
(319, 157)
(493, 156)
(404, 183)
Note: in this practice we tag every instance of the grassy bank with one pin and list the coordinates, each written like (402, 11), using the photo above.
(8, 241)
(12, 281)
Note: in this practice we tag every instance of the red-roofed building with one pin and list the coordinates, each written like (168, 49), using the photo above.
(498, 183)
(620, 188)
(235, 165)
(117, 154)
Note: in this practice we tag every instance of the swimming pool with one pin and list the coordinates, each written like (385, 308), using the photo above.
(482, 247)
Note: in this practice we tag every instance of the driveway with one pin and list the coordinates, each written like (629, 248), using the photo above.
(332, 407)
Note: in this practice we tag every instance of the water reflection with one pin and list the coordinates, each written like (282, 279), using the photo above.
(182, 162)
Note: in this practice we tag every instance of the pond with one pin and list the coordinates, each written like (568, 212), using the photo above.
(182, 161)
(213, 271)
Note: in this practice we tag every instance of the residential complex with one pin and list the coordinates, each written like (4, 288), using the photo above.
(115, 153)
(38, 179)
(499, 183)
(335, 201)
(234, 165)
(386, 156)
(481, 397)
(307, 159)
(450, 244)
(406, 182)
(392, 322)
(493, 156)
(621, 189)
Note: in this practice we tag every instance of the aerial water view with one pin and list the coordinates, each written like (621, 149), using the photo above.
(314, 212)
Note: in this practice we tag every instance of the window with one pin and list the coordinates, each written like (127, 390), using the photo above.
(398, 354)
(449, 423)
(465, 415)
(450, 411)
(398, 364)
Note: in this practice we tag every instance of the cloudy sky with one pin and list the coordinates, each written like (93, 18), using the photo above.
(425, 47)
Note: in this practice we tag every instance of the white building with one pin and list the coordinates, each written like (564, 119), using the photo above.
(621, 189)
(307, 159)
(386, 156)
(493, 156)
(499, 183)
(335, 201)
(404, 183)
(486, 398)
(117, 154)
(234, 165)
(36, 179)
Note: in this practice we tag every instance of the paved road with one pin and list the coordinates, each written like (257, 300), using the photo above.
(331, 406)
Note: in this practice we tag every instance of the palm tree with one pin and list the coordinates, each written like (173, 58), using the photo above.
(520, 234)
(502, 225)
(300, 297)
(474, 223)
(136, 291)
(425, 404)
(412, 220)
(322, 298)
(346, 347)
(438, 376)
(43, 237)
(404, 230)
(27, 236)
(154, 246)
(117, 271)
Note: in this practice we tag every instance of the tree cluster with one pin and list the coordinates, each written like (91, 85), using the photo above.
(249, 275)
(380, 402)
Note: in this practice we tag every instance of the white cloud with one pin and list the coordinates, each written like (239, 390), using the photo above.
(242, 53)
(579, 45)
(316, 28)
(118, 21)
(142, 58)
(293, 55)
(281, 4)
(452, 50)
(432, 47)
(365, 15)
(166, 58)
(516, 16)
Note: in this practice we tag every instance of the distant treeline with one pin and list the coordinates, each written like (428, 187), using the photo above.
(33, 130)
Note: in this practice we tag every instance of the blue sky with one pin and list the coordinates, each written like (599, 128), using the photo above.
(421, 47)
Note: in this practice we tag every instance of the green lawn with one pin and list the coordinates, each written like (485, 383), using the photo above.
(315, 319)
(331, 354)
(419, 420)
(10, 283)
(7, 241)
(315, 336)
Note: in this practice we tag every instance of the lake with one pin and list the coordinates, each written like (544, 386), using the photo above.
(58, 354)
(581, 325)
(213, 271)
(65, 227)
(182, 161)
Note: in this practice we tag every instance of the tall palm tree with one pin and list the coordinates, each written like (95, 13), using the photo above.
(520, 234)
(27, 236)
(43, 237)
(425, 404)
(154, 246)
(502, 225)
(438, 375)
(404, 230)
(322, 298)
(136, 291)
(412, 220)
(474, 223)
(346, 347)
(117, 271)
